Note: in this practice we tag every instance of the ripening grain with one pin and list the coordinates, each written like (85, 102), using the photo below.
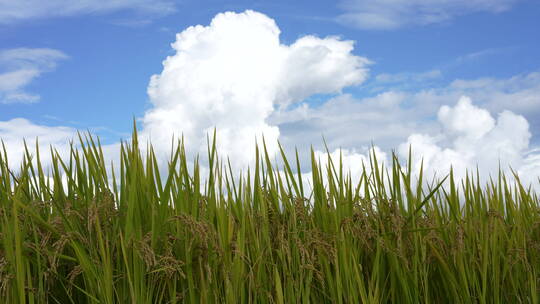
(141, 237)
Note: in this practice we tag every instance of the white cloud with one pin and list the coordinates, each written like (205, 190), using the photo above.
(18, 10)
(315, 65)
(353, 161)
(520, 93)
(471, 137)
(498, 126)
(19, 67)
(465, 120)
(349, 123)
(392, 14)
(13, 133)
(232, 75)
(530, 169)
(389, 117)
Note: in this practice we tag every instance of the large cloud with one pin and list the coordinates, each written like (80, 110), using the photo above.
(390, 116)
(468, 137)
(18, 10)
(19, 67)
(392, 14)
(232, 74)
(499, 126)
(471, 137)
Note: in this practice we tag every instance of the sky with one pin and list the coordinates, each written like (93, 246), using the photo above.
(458, 81)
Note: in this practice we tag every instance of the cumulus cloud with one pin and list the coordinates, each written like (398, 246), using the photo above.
(19, 67)
(18, 10)
(392, 14)
(464, 137)
(465, 120)
(471, 138)
(390, 116)
(499, 126)
(232, 75)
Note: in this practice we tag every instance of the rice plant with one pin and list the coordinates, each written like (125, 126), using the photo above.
(79, 233)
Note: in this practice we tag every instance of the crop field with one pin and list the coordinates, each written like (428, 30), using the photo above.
(77, 232)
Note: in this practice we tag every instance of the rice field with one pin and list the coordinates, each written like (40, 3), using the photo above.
(145, 235)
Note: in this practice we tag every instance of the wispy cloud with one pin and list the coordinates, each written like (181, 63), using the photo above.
(393, 14)
(17, 10)
(408, 77)
(19, 67)
(478, 55)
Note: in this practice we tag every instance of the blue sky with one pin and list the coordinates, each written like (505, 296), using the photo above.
(67, 67)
